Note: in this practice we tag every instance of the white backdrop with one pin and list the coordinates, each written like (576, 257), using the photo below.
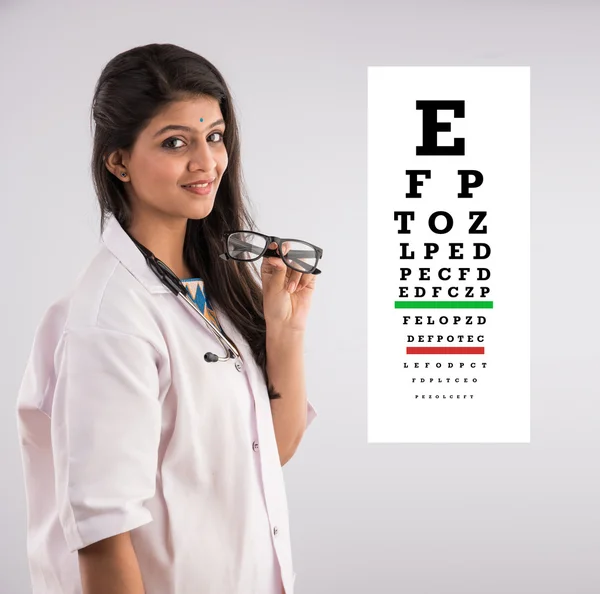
(393, 518)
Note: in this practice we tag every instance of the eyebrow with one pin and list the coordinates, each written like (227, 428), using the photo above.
(185, 128)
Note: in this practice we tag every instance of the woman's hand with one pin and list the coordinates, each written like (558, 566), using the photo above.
(282, 309)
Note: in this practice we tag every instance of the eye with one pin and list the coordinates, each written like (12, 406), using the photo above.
(166, 142)
(219, 133)
(166, 145)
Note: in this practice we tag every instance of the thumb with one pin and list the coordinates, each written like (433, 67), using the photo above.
(274, 270)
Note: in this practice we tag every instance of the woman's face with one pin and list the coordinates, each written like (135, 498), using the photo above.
(163, 161)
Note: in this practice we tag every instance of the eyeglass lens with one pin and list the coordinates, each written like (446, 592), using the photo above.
(248, 246)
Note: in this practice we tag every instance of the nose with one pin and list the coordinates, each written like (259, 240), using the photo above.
(203, 157)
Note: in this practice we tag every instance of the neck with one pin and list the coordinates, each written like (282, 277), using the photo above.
(165, 240)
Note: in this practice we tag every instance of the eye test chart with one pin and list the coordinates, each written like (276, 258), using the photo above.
(448, 263)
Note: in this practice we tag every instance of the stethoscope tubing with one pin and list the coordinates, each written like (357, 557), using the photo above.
(225, 342)
(174, 284)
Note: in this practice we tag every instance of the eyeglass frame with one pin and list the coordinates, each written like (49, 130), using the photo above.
(271, 253)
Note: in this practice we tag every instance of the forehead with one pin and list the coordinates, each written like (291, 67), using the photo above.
(188, 113)
(193, 108)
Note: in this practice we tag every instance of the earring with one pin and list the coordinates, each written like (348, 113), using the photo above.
(124, 174)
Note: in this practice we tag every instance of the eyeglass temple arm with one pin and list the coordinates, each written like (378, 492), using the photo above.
(257, 250)
(273, 253)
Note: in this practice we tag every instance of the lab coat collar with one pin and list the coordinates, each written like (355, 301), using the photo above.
(122, 247)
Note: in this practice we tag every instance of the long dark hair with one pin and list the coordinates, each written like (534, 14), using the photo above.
(134, 87)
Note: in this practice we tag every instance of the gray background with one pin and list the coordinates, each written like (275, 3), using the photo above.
(409, 519)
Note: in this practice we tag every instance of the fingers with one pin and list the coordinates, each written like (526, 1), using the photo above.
(275, 261)
(295, 280)
(292, 276)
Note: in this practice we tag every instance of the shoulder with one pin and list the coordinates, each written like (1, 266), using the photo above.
(106, 297)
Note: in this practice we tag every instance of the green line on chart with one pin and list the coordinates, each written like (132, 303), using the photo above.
(443, 304)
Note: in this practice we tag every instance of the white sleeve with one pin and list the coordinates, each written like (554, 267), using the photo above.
(105, 423)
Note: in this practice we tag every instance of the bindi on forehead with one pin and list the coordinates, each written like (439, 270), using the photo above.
(180, 127)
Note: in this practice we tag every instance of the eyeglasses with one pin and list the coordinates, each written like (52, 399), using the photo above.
(247, 246)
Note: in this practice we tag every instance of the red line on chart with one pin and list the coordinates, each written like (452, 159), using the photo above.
(447, 350)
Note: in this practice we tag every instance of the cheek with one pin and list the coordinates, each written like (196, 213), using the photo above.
(160, 172)
(223, 160)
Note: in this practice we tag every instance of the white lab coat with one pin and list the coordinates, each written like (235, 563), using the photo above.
(124, 426)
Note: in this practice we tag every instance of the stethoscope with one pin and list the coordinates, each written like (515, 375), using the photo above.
(172, 282)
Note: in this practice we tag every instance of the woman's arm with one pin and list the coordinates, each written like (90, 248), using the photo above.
(285, 370)
(110, 566)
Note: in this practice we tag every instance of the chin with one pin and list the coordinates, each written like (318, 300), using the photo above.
(197, 214)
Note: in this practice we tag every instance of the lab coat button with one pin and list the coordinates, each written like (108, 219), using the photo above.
(275, 530)
(255, 446)
(238, 366)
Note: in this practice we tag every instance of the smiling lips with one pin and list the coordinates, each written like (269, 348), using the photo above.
(200, 189)
(202, 183)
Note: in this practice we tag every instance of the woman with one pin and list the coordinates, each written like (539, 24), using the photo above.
(147, 468)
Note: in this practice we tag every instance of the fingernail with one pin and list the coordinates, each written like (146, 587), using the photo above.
(291, 287)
